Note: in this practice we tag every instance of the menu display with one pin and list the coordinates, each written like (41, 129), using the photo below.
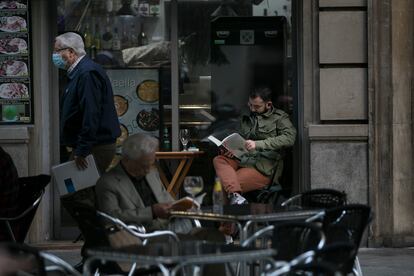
(136, 93)
(15, 63)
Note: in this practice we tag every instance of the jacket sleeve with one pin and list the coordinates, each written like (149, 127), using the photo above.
(108, 202)
(285, 138)
(89, 89)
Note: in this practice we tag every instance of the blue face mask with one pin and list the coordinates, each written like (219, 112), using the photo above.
(58, 61)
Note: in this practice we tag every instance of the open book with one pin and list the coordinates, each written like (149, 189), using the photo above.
(233, 143)
(184, 204)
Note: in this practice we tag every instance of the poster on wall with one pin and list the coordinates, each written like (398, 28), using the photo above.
(15, 63)
(136, 94)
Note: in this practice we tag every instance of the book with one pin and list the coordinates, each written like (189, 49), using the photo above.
(233, 143)
(184, 204)
(70, 179)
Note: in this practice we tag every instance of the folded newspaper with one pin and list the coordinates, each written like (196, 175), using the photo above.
(233, 143)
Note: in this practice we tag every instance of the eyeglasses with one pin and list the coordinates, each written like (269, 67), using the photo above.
(254, 106)
(60, 50)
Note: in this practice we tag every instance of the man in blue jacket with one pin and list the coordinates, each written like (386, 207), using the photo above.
(88, 122)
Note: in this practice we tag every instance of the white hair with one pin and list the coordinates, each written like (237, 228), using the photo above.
(73, 41)
(138, 145)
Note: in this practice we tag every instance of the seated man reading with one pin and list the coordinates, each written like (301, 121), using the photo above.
(267, 131)
(133, 192)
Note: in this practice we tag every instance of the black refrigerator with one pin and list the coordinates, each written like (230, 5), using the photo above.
(245, 52)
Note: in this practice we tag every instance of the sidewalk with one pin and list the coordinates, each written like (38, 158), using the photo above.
(387, 261)
(374, 261)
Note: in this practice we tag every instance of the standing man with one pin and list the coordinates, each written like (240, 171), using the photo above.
(88, 122)
(267, 131)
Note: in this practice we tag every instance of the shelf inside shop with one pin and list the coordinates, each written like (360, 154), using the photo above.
(190, 123)
(188, 106)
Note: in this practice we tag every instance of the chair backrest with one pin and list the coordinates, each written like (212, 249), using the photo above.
(90, 225)
(346, 223)
(341, 255)
(317, 198)
(30, 193)
(323, 198)
(294, 238)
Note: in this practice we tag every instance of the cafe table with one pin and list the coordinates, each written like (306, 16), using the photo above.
(171, 258)
(247, 215)
(185, 159)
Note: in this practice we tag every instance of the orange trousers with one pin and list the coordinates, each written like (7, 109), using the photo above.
(236, 179)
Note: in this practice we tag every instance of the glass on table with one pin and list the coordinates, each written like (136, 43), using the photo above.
(184, 137)
(193, 185)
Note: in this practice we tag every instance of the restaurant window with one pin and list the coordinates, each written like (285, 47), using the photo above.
(224, 49)
(130, 39)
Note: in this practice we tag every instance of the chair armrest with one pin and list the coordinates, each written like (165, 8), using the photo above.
(289, 200)
(316, 217)
(258, 234)
(303, 258)
(30, 208)
(138, 228)
(197, 223)
(136, 233)
(58, 263)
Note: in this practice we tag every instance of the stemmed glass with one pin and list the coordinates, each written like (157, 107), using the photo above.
(184, 137)
(193, 185)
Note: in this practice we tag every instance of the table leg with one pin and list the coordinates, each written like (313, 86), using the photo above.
(183, 174)
(176, 176)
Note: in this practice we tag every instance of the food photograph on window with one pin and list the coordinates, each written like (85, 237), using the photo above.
(15, 62)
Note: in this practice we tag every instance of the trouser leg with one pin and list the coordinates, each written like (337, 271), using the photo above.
(226, 171)
(103, 155)
(250, 179)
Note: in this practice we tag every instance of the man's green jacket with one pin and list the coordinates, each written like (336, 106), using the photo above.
(272, 131)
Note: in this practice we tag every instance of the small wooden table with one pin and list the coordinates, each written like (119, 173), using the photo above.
(186, 159)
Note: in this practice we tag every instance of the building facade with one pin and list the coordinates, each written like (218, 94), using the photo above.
(353, 110)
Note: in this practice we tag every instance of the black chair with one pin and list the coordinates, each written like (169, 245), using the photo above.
(279, 189)
(290, 239)
(92, 230)
(341, 255)
(30, 192)
(314, 269)
(346, 224)
(317, 198)
(294, 238)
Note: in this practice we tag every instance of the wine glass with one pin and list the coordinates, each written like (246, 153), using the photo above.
(184, 137)
(193, 185)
